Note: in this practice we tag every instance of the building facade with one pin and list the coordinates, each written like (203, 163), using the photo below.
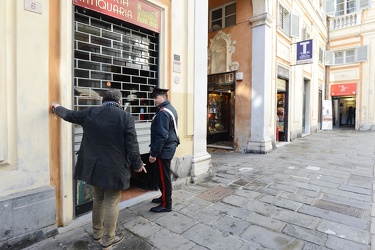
(70, 52)
(266, 72)
(350, 61)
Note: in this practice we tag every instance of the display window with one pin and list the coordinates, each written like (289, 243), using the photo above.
(282, 110)
(220, 110)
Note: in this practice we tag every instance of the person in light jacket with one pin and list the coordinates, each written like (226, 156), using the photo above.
(108, 151)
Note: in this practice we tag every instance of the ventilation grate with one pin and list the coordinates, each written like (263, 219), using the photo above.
(215, 194)
(339, 208)
(360, 178)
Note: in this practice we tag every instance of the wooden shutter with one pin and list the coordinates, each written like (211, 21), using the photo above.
(363, 4)
(329, 58)
(330, 7)
(361, 53)
(294, 25)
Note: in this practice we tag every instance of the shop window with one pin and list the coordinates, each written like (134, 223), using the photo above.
(356, 55)
(223, 17)
(345, 7)
(220, 105)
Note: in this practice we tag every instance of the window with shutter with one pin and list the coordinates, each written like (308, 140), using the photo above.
(344, 57)
(359, 54)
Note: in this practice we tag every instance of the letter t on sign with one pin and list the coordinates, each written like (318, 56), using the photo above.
(33, 6)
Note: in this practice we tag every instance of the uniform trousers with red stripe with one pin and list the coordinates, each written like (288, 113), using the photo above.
(165, 182)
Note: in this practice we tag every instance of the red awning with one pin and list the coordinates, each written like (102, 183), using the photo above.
(343, 89)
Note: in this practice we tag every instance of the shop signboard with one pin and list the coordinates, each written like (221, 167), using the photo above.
(343, 89)
(305, 52)
(133, 11)
(327, 115)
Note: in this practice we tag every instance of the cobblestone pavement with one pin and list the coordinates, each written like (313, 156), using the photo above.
(312, 193)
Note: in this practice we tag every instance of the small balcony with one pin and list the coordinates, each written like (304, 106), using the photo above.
(345, 21)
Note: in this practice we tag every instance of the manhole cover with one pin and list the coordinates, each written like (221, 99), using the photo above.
(339, 208)
(241, 182)
(215, 194)
(360, 178)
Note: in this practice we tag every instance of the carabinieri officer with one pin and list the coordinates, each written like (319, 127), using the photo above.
(164, 141)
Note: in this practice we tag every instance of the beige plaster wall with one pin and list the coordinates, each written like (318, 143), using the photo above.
(25, 85)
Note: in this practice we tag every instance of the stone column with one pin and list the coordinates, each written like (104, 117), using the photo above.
(201, 161)
(260, 140)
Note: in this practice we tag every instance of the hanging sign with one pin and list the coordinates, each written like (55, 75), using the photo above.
(305, 52)
(343, 89)
(133, 11)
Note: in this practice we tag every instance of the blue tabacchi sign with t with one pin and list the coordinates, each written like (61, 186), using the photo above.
(305, 52)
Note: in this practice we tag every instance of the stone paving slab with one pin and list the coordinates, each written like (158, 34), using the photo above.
(308, 235)
(270, 239)
(231, 225)
(344, 231)
(266, 222)
(176, 222)
(334, 216)
(366, 205)
(212, 238)
(298, 219)
(227, 209)
(342, 244)
(165, 239)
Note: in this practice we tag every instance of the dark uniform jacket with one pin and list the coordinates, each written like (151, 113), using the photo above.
(109, 146)
(164, 139)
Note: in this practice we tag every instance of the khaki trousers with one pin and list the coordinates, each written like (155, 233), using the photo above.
(105, 213)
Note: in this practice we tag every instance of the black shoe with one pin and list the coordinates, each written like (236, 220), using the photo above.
(116, 240)
(160, 209)
(156, 200)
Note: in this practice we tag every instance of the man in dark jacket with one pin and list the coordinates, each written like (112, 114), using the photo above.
(109, 148)
(164, 141)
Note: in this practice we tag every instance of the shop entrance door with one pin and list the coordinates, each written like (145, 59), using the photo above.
(110, 53)
(345, 115)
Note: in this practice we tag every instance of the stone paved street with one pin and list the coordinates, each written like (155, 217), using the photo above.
(313, 193)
